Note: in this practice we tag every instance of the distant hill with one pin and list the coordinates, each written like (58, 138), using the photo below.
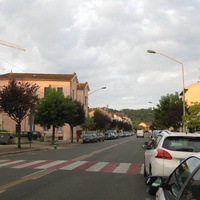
(137, 116)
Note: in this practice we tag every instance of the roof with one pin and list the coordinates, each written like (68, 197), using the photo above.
(174, 134)
(82, 86)
(36, 76)
(188, 87)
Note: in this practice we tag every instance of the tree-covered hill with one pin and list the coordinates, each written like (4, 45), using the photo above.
(137, 116)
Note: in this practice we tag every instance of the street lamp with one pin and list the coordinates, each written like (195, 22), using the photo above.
(97, 90)
(151, 51)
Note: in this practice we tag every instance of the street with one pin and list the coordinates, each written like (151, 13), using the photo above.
(106, 170)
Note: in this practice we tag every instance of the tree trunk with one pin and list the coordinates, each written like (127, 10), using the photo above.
(18, 130)
(53, 135)
(72, 134)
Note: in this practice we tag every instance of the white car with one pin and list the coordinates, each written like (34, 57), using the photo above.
(182, 184)
(140, 133)
(166, 151)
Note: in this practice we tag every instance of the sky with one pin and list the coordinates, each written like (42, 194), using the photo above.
(105, 43)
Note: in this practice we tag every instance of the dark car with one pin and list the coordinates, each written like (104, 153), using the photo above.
(24, 134)
(36, 134)
(100, 137)
(183, 183)
(90, 137)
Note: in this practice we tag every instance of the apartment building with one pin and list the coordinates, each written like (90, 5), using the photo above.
(192, 93)
(68, 83)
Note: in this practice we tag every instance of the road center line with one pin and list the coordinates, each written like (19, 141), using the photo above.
(26, 178)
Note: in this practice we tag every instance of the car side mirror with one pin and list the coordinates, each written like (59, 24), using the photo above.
(154, 181)
(145, 145)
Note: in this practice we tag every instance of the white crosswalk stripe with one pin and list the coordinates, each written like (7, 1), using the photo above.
(97, 167)
(50, 164)
(11, 163)
(122, 168)
(73, 165)
(28, 164)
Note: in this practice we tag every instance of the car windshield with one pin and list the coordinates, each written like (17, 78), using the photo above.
(88, 135)
(189, 144)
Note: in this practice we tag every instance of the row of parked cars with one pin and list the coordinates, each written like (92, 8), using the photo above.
(108, 135)
(172, 165)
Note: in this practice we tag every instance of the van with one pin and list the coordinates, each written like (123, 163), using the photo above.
(140, 133)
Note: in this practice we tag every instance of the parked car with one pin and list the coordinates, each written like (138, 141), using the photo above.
(183, 183)
(24, 134)
(155, 133)
(100, 137)
(36, 134)
(164, 153)
(90, 137)
(120, 134)
(110, 135)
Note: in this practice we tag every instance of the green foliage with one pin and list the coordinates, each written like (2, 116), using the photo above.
(51, 110)
(137, 116)
(168, 113)
(88, 124)
(55, 110)
(192, 117)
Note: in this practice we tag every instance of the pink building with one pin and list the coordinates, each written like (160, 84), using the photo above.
(68, 83)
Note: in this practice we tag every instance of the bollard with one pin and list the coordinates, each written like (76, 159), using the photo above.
(55, 145)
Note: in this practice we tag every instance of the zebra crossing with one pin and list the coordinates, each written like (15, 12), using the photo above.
(88, 166)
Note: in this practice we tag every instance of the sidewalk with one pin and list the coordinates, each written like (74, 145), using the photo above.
(10, 149)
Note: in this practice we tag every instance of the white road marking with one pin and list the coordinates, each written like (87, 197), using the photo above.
(28, 164)
(50, 164)
(122, 168)
(98, 166)
(10, 163)
(73, 165)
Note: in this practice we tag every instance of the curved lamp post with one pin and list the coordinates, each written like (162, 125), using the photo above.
(97, 90)
(183, 83)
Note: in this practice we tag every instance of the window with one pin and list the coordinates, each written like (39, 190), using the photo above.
(46, 91)
(192, 190)
(60, 89)
(181, 174)
(189, 144)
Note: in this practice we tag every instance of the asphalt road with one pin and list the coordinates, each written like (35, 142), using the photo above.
(93, 171)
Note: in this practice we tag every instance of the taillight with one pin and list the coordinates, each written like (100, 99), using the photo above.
(163, 154)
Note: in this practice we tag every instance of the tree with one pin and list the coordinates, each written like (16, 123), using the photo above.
(169, 112)
(102, 120)
(52, 110)
(88, 124)
(17, 99)
(192, 117)
(77, 117)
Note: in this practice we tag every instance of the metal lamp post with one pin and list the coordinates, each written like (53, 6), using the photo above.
(183, 83)
(97, 90)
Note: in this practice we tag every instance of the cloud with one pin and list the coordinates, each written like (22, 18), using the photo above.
(105, 42)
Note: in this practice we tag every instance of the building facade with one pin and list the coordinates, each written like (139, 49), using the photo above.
(67, 83)
(192, 93)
